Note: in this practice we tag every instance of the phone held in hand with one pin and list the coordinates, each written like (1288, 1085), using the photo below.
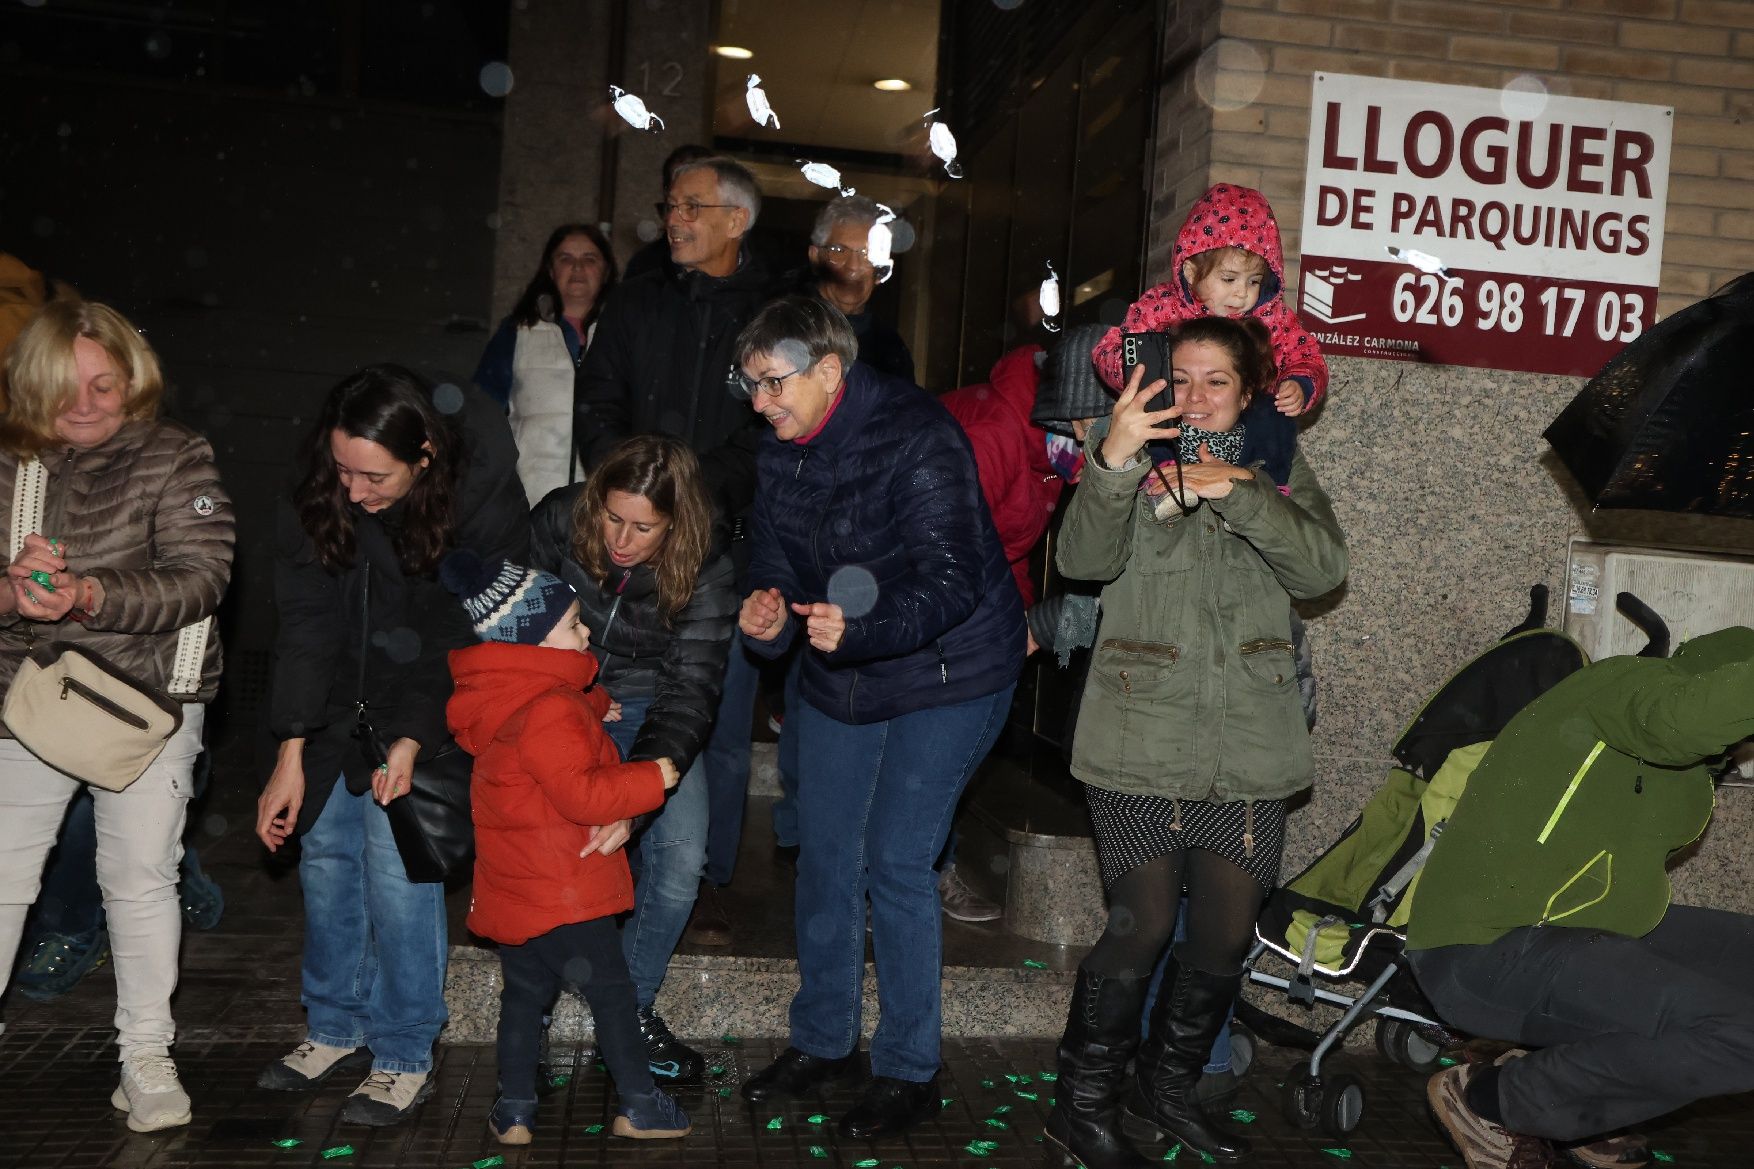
(1150, 350)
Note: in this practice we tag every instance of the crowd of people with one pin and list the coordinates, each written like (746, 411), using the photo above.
(556, 591)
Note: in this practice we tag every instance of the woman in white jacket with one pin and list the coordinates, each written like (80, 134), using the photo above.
(530, 363)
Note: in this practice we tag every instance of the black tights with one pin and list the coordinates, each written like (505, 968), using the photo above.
(1223, 901)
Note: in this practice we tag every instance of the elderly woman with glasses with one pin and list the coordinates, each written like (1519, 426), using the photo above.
(873, 549)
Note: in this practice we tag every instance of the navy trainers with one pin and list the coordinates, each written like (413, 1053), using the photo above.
(512, 1122)
(651, 1116)
(672, 1061)
(59, 961)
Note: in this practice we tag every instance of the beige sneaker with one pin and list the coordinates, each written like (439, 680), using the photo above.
(386, 1097)
(309, 1064)
(151, 1094)
(1482, 1144)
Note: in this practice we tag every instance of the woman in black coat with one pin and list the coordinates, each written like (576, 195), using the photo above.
(636, 542)
(396, 475)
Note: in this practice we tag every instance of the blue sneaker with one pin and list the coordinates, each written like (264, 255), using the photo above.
(202, 900)
(512, 1122)
(59, 961)
(651, 1116)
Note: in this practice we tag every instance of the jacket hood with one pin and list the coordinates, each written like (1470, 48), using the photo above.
(1228, 216)
(1015, 377)
(495, 680)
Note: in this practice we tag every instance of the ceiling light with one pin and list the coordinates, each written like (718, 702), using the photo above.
(734, 52)
(892, 85)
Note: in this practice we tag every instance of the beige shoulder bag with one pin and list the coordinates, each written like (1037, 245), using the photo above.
(75, 709)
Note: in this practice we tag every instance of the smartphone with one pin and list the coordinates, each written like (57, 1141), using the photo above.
(1150, 350)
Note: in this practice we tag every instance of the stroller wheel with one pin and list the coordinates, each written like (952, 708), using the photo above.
(1342, 1104)
(1400, 1042)
(1301, 1099)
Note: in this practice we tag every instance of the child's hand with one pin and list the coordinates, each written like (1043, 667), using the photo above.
(667, 768)
(613, 714)
(1288, 397)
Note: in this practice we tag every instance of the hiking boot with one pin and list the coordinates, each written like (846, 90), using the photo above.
(1627, 1150)
(1482, 1144)
(386, 1098)
(651, 1116)
(710, 924)
(59, 961)
(151, 1094)
(512, 1122)
(963, 903)
(309, 1064)
(672, 1060)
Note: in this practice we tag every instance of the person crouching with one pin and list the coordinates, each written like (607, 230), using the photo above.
(545, 772)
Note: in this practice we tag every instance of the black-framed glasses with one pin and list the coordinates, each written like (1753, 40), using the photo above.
(745, 386)
(686, 212)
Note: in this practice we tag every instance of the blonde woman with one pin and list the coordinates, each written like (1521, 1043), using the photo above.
(138, 545)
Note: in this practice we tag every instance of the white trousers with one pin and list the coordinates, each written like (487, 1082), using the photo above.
(139, 848)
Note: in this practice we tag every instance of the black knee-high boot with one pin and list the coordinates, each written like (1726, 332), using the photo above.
(1190, 1010)
(1102, 1032)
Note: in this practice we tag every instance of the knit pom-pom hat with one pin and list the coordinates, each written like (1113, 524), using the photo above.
(506, 601)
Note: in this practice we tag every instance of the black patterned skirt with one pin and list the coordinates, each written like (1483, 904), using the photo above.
(1133, 829)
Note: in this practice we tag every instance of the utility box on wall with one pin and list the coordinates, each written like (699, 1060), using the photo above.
(1693, 591)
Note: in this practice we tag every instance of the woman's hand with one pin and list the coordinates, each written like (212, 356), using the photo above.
(824, 624)
(763, 615)
(606, 838)
(278, 807)
(1131, 425)
(394, 777)
(613, 714)
(1212, 477)
(41, 587)
(667, 768)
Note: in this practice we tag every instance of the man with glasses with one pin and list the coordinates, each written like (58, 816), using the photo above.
(659, 365)
(841, 274)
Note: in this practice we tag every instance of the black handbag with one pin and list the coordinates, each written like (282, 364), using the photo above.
(432, 824)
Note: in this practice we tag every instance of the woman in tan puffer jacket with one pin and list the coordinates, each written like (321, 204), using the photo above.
(135, 543)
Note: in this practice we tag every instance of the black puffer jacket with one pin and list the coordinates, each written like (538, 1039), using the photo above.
(681, 666)
(658, 364)
(413, 624)
(881, 513)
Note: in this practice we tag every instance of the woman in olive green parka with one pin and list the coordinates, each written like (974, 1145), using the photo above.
(1192, 729)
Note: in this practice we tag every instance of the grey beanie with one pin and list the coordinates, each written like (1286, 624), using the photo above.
(1069, 387)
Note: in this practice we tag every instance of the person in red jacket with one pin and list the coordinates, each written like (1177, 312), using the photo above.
(545, 773)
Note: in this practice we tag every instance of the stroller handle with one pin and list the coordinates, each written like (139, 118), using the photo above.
(1649, 622)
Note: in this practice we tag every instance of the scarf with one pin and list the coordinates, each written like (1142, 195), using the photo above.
(1065, 456)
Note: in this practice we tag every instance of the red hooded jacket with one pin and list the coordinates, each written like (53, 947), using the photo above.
(1011, 455)
(546, 772)
(1224, 217)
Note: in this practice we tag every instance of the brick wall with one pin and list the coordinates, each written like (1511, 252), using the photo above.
(1694, 55)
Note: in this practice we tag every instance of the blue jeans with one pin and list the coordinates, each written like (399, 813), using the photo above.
(375, 942)
(1219, 1060)
(725, 762)
(672, 857)
(874, 806)
(785, 809)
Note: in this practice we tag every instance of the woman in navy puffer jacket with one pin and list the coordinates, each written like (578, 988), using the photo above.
(872, 544)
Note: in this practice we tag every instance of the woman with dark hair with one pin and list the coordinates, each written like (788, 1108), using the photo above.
(874, 554)
(1191, 734)
(530, 364)
(396, 474)
(636, 543)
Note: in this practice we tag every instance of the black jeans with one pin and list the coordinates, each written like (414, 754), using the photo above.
(586, 956)
(1626, 1028)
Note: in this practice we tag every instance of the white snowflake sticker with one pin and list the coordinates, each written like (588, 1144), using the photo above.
(633, 111)
(758, 107)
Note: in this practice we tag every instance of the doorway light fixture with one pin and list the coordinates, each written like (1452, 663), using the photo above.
(734, 52)
(892, 85)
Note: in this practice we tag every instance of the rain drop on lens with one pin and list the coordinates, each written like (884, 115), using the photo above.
(496, 79)
(447, 398)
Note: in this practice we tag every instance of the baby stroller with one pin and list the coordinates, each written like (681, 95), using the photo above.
(1343, 918)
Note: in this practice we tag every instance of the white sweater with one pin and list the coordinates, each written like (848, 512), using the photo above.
(542, 408)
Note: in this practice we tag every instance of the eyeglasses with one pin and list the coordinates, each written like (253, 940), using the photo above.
(745, 386)
(686, 212)
(841, 254)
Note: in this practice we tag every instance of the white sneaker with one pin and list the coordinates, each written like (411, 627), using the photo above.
(151, 1094)
(386, 1097)
(963, 903)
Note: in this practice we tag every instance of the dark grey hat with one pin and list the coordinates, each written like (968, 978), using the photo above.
(1069, 387)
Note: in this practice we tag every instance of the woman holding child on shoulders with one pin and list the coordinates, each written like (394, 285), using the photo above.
(1192, 731)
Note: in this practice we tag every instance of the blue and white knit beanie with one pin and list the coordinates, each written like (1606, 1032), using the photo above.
(506, 601)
